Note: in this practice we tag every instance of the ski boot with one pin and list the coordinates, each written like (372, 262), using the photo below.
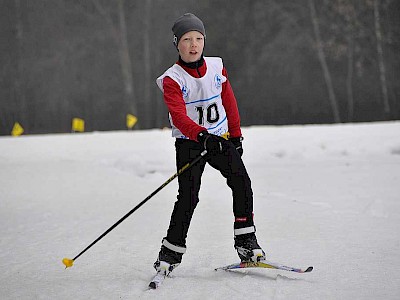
(168, 259)
(248, 249)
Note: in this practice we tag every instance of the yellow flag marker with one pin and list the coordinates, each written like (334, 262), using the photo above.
(131, 121)
(78, 125)
(68, 262)
(17, 129)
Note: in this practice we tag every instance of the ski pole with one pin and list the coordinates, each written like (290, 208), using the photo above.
(69, 262)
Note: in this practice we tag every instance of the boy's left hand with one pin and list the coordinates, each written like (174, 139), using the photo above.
(237, 142)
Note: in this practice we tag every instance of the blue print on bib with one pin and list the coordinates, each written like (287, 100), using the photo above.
(185, 91)
(217, 81)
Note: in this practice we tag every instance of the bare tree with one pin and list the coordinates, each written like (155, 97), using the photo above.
(324, 65)
(120, 35)
(346, 23)
(126, 64)
(4, 118)
(19, 85)
(382, 72)
(147, 60)
(349, 78)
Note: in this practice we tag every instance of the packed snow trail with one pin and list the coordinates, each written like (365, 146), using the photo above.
(325, 195)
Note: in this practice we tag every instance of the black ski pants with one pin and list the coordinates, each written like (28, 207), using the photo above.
(231, 166)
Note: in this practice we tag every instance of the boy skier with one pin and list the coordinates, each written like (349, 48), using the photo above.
(204, 116)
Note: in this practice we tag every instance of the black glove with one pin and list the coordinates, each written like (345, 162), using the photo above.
(212, 143)
(237, 142)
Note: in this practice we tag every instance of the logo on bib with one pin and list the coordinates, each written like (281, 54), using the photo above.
(185, 91)
(217, 81)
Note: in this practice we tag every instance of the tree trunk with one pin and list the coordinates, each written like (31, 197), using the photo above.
(121, 37)
(349, 80)
(18, 83)
(382, 72)
(151, 114)
(126, 64)
(324, 65)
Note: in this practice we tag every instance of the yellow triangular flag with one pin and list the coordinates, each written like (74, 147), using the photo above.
(131, 120)
(17, 129)
(78, 125)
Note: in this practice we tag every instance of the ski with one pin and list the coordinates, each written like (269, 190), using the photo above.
(264, 264)
(157, 280)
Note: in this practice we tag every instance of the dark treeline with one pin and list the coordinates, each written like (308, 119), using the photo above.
(289, 62)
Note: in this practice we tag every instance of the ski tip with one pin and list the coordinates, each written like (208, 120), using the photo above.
(152, 285)
(309, 269)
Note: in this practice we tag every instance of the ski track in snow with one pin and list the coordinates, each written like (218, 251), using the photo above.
(324, 195)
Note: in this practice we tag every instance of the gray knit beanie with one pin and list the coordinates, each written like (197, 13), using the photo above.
(187, 22)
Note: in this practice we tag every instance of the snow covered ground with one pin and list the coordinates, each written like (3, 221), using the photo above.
(327, 196)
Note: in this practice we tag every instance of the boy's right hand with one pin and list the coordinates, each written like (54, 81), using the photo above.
(212, 143)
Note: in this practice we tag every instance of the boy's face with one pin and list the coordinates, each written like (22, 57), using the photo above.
(191, 46)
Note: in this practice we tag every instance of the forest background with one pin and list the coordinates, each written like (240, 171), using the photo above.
(289, 62)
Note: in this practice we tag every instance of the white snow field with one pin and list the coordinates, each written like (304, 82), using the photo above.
(326, 196)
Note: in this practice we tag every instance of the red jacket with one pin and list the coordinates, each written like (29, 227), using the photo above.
(177, 108)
